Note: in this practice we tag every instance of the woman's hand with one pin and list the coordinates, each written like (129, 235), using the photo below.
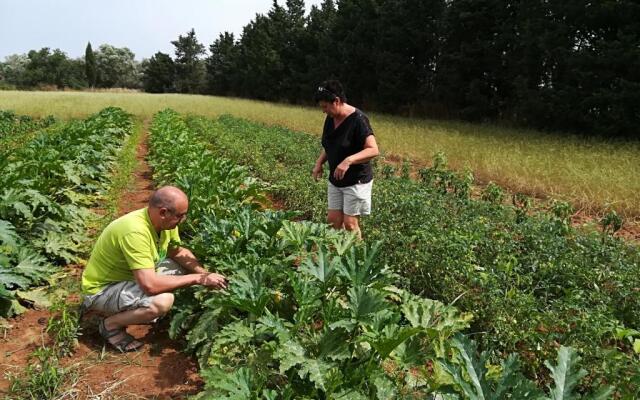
(316, 172)
(341, 169)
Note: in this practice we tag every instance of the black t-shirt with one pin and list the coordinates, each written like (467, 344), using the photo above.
(348, 139)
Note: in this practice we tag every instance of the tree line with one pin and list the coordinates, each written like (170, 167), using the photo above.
(106, 67)
(571, 65)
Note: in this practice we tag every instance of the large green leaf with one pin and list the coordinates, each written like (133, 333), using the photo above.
(567, 374)
(389, 338)
(8, 235)
(334, 344)
(469, 375)
(360, 266)
(322, 266)
(433, 315)
(363, 302)
(291, 354)
(242, 384)
(249, 292)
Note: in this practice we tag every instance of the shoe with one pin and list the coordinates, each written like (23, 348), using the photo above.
(123, 344)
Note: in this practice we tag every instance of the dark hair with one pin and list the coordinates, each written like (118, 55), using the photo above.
(330, 90)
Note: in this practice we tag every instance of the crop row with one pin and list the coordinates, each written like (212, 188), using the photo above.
(310, 312)
(15, 130)
(532, 281)
(46, 188)
(12, 124)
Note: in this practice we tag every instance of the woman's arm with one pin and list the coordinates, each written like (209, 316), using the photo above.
(317, 169)
(368, 153)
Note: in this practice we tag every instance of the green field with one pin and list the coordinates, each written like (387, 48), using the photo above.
(593, 174)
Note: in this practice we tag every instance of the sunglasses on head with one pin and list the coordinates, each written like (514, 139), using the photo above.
(322, 89)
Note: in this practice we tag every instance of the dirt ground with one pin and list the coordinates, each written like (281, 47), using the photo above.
(158, 371)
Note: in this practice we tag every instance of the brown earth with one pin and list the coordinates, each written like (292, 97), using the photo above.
(158, 371)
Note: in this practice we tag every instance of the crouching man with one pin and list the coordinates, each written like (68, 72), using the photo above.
(135, 265)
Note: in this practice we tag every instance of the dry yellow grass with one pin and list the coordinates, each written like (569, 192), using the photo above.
(591, 173)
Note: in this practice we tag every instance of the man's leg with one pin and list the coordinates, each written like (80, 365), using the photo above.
(160, 305)
(126, 304)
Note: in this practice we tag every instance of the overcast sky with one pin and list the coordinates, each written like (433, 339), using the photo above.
(144, 26)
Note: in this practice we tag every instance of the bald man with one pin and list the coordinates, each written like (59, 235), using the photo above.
(135, 265)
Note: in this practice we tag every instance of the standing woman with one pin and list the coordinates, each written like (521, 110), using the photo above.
(349, 145)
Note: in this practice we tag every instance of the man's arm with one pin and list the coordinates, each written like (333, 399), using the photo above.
(186, 259)
(152, 283)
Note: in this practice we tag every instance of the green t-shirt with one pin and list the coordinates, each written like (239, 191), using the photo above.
(128, 243)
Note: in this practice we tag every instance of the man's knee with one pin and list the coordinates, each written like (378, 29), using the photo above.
(162, 303)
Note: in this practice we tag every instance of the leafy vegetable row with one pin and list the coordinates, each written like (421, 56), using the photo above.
(531, 280)
(13, 124)
(310, 313)
(46, 187)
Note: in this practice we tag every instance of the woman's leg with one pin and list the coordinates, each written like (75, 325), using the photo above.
(335, 203)
(335, 218)
(351, 224)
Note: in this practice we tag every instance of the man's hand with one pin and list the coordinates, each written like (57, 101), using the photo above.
(341, 169)
(214, 280)
(317, 171)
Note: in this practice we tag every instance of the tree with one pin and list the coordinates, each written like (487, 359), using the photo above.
(158, 74)
(75, 74)
(256, 61)
(354, 37)
(90, 65)
(14, 67)
(46, 68)
(407, 53)
(116, 67)
(221, 65)
(317, 45)
(190, 69)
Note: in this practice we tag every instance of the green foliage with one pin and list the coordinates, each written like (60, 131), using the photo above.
(42, 378)
(116, 67)
(14, 125)
(47, 186)
(530, 279)
(189, 68)
(63, 327)
(90, 68)
(493, 194)
(310, 312)
(52, 68)
(159, 74)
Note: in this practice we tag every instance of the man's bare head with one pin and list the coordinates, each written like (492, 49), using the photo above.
(168, 207)
(167, 197)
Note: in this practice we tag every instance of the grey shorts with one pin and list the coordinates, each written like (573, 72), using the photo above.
(127, 295)
(351, 200)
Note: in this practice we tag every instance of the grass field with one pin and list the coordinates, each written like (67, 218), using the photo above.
(593, 174)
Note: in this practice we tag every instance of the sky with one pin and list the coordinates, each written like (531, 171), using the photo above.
(144, 26)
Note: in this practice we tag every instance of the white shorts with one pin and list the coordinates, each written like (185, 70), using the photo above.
(127, 295)
(352, 200)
